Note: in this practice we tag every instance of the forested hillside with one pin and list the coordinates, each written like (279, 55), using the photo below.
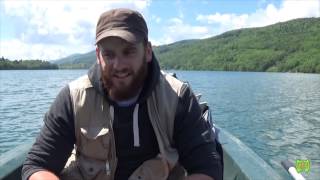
(292, 46)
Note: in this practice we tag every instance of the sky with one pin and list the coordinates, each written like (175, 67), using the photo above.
(50, 30)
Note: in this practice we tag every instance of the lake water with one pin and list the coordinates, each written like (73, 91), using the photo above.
(275, 114)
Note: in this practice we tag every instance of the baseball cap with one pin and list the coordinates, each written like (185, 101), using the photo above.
(124, 23)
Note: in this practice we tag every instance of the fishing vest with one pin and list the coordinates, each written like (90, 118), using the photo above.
(94, 156)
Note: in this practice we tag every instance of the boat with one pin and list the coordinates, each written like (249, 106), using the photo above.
(240, 162)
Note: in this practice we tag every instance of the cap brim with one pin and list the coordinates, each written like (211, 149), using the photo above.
(126, 35)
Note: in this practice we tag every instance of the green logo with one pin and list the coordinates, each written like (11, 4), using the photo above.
(303, 165)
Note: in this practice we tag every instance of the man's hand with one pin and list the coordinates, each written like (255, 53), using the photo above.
(198, 177)
(43, 175)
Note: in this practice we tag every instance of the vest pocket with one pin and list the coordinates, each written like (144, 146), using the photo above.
(93, 152)
(92, 168)
(156, 168)
(95, 142)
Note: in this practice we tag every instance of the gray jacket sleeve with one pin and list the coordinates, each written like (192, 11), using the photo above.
(56, 140)
(194, 138)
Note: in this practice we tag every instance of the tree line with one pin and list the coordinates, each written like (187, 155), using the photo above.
(6, 64)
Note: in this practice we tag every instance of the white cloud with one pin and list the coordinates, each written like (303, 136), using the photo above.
(176, 29)
(164, 40)
(179, 27)
(288, 10)
(17, 49)
(236, 21)
(155, 18)
(175, 21)
(142, 4)
(181, 15)
(57, 28)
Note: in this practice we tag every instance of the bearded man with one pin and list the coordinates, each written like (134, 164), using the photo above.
(125, 119)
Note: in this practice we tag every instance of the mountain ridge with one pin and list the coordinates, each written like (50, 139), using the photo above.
(291, 46)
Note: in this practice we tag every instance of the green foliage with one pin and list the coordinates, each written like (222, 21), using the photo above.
(292, 46)
(6, 64)
(77, 61)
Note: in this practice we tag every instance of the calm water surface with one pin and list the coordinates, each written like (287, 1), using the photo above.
(275, 114)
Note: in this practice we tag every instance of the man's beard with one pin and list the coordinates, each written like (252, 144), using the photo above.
(126, 91)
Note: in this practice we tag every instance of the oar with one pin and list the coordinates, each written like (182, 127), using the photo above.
(289, 166)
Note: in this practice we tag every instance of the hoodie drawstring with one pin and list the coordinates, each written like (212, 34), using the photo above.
(111, 113)
(136, 137)
(136, 127)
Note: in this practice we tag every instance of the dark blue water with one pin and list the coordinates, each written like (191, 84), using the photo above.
(275, 114)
